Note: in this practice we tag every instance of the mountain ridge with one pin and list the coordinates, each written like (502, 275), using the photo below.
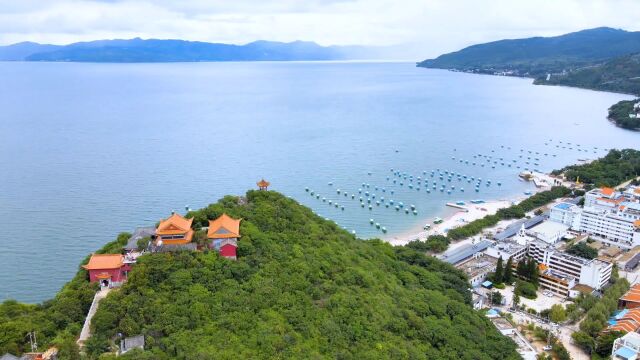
(176, 50)
(535, 56)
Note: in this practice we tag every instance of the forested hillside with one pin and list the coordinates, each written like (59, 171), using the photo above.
(301, 288)
(538, 56)
(621, 74)
(613, 169)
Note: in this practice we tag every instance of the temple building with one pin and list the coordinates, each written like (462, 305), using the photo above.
(263, 184)
(108, 269)
(175, 230)
(224, 233)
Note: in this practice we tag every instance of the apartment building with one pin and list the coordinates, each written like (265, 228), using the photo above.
(613, 217)
(594, 273)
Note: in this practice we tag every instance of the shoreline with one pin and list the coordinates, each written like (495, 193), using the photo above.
(460, 217)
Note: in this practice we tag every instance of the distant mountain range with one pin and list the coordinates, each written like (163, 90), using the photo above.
(540, 55)
(152, 50)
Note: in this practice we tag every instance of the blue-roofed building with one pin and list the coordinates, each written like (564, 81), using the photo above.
(566, 213)
(626, 347)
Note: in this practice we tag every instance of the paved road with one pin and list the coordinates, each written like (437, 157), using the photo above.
(86, 328)
(564, 335)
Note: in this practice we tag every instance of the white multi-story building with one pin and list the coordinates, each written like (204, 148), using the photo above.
(605, 198)
(617, 227)
(594, 273)
(626, 347)
(507, 249)
(567, 214)
(611, 216)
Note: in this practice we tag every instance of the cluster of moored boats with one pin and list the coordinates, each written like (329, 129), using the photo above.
(441, 180)
(431, 184)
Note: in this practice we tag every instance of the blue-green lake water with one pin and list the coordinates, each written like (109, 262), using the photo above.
(91, 150)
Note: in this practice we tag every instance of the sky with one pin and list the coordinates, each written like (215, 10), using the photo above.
(421, 27)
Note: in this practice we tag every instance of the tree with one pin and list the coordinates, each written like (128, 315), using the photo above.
(68, 349)
(583, 250)
(534, 273)
(558, 313)
(142, 243)
(496, 298)
(526, 289)
(604, 342)
(583, 340)
(497, 275)
(516, 299)
(521, 268)
(508, 274)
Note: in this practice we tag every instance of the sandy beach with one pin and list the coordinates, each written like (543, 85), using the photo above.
(475, 211)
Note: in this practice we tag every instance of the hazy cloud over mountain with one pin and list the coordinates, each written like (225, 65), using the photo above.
(427, 27)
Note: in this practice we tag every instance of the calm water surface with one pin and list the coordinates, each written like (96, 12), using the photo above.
(91, 150)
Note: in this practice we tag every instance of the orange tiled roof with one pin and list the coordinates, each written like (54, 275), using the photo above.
(630, 322)
(633, 294)
(174, 224)
(224, 227)
(633, 314)
(624, 326)
(613, 201)
(637, 223)
(637, 190)
(263, 183)
(104, 261)
(607, 191)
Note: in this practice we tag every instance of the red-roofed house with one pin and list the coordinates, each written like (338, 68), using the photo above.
(224, 233)
(108, 269)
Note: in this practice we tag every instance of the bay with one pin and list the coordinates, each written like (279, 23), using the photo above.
(91, 150)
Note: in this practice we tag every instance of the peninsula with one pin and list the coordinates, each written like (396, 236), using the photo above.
(603, 59)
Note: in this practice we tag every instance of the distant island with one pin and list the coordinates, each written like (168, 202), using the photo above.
(600, 59)
(154, 50)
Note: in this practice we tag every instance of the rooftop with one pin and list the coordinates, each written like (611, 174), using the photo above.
(174, 224)
(104, 261)
(625, 353)
(502, 323)
(464, 252)
(633, 294)
(515, 227)
(607, 191)
(549, 228)
(138, 234)
(478, 265)
(224, 227)
(563, 206)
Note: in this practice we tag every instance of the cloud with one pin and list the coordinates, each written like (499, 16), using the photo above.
(425, 27)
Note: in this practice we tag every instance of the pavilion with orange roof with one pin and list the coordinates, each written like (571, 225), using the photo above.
(263, 184)
(174, 230)
(224, 233)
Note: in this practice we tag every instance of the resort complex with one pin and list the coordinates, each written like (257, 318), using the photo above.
(574, 243)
